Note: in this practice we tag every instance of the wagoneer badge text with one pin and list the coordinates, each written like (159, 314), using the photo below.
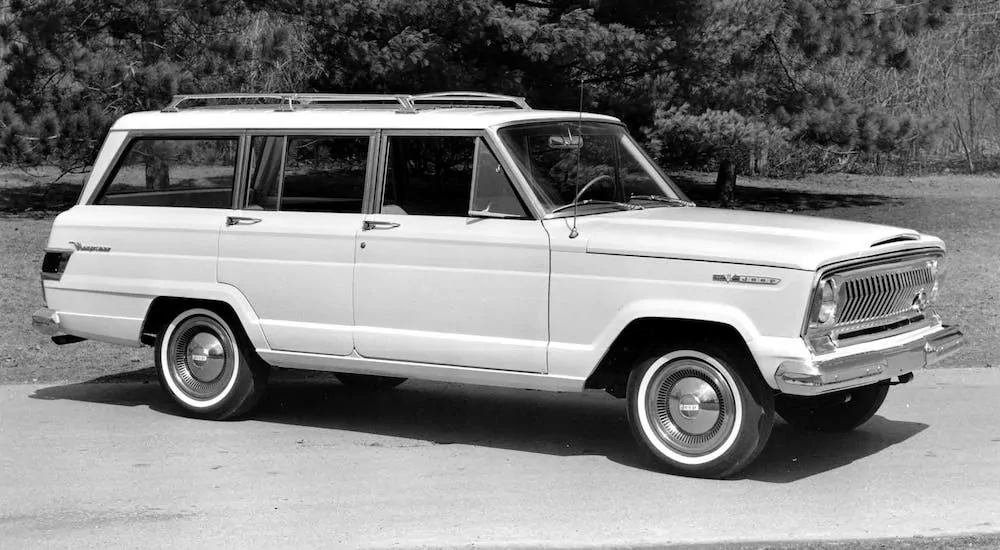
(80, 247)
(746, 279)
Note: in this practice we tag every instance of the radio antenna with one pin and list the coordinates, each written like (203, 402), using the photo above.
(573, 233)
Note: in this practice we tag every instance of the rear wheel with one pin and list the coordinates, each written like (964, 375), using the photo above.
(207, 366)
(694, 412)
(368, 382)
(836, 412)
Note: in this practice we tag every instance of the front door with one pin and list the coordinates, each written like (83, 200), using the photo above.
(291, 249)
(444, 279)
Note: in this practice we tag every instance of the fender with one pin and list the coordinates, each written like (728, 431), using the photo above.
(580, 360)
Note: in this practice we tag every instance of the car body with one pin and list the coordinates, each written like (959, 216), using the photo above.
(451, 237)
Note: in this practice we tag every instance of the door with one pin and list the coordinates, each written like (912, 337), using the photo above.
(291, 249)
(449, 272)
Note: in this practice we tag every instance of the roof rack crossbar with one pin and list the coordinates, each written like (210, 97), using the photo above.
(286, 102)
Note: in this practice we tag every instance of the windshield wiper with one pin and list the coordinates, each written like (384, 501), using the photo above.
(661, 198)
(619, 205)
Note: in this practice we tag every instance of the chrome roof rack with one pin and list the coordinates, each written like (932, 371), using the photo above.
(470, 98)
(403, 103)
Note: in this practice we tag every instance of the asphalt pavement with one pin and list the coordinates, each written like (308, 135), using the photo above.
(102, 465)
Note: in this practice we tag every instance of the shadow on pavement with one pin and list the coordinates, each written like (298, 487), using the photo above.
(558, 424)
(792, 455)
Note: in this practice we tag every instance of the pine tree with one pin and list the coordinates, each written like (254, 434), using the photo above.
(767, 71)
(74, 66)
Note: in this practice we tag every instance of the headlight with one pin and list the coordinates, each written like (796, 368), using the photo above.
(936, 267)
(826, 303)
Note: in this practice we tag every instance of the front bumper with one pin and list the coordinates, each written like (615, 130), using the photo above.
(46, 321)
(817, 377)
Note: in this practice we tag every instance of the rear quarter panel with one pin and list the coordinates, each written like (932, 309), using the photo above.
(153, 252)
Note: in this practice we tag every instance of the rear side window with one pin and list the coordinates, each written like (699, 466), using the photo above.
(308, 173)
(180, 172)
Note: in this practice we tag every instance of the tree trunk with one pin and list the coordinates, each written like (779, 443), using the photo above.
(725, 183)
(965, 146)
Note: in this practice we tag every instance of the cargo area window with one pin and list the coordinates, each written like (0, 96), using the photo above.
(179, 172)
(307, 173)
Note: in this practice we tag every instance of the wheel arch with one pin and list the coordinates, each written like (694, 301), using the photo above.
(164, 308)
(639, 335)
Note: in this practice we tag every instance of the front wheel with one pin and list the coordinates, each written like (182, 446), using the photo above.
(208, 367)
(699, 411)
(836, 412)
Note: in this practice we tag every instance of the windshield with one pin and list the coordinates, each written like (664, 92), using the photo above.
(592, 166)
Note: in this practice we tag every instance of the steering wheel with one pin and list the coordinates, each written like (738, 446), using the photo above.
(590, 184)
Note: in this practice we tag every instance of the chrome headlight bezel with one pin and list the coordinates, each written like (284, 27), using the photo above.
(826, 303)
(937, 267)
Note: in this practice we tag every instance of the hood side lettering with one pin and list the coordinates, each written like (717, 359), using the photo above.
(80, 247)
(745, 279)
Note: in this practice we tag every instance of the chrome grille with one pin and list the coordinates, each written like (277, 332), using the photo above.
(878, 295)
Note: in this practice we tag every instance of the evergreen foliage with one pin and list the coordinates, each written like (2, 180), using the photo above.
(701, 79)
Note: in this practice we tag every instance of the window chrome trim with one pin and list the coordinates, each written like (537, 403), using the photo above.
(371, 161)
(491, 141)
(115, 164)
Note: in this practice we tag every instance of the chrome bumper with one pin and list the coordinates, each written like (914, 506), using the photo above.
(46, 321)
(819, 376)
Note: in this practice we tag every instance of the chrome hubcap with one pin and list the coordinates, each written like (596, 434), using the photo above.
(200, 357)
(205, 357)
(691, 406)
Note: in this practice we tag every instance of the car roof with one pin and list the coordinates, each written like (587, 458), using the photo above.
(227, 118)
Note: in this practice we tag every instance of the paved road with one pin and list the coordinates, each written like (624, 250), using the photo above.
(110, 465)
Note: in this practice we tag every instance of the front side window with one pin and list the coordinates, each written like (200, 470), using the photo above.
(429, 175)
(174, 171)
(492, 192)
(447, 176)
(308, 173)
(591, 164)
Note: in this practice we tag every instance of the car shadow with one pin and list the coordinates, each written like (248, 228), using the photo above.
(765, 199)
(558, 424)
(47, 197)
(791, 454)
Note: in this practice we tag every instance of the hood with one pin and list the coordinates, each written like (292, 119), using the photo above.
(753, 238)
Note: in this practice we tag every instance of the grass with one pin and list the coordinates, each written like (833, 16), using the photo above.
(25, 355)
(961, 210)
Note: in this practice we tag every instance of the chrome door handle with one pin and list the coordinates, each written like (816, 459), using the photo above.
(239, 220)
(368, 225)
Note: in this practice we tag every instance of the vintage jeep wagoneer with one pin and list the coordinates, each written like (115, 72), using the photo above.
(465, 237)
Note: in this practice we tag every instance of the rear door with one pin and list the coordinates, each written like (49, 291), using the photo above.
(444, 279)
(290, 247)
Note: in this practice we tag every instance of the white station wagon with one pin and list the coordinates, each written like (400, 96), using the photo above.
(465, 237)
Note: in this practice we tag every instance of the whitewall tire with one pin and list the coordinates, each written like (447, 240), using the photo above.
(207, 367)
(699, 410)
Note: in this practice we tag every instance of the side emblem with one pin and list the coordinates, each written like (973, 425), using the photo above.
(745, 279)
(80, 247)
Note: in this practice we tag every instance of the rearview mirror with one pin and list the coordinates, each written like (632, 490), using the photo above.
(567, 141)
